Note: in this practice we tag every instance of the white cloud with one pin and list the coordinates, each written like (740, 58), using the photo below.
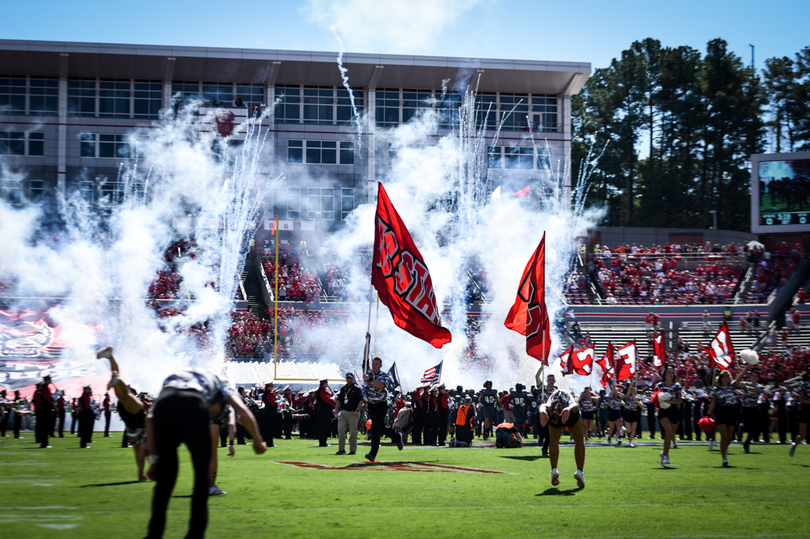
(391, 26)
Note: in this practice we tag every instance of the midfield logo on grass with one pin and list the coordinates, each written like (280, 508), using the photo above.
(399, 466)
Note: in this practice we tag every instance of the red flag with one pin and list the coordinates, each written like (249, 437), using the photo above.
(401, 277)
(523, 193)
(582, 361)
(528, 316)
(566, 365)
(606, 363)
(627, 361)
(721, 350)
(659, 354)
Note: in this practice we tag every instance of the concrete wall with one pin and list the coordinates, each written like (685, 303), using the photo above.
(617, 235)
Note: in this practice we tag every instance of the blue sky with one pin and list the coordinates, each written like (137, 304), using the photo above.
(584, 31)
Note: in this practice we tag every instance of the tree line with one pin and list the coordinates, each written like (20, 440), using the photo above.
(699, 117)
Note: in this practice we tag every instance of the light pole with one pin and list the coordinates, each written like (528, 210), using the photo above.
(714, 219)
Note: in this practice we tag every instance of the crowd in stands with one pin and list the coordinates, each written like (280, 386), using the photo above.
(295, 281)
(675, 274)
(247, 335)
(165, 285)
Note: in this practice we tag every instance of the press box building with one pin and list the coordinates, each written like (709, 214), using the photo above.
(67, 111)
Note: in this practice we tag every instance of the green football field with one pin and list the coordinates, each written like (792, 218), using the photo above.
(300, 490)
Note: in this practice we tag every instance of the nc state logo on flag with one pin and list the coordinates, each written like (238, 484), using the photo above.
(659, 354)
(627, 361)
(579, 362)
(722, 351)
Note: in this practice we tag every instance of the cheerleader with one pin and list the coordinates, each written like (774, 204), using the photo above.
(802, 395)
(632, 411)
(722, 406)
(587, 407)
(615, 404)
(669, 417)
(561, 410)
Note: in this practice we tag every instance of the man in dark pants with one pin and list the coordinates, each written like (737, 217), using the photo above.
(686, 412)
(107, 415)
(781, 414)
(545, 435)
(650, 406)
(43, 407)
(269, 414)
(377, 399)
(86, 417)
(324, 410)
(182, 412)
(60, 413)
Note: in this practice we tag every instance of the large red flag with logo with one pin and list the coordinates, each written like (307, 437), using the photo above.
(582, 361)
(659, 353)
(401, 277)
(721, 349)
(626, 365)
(528, 316)
(606, 363)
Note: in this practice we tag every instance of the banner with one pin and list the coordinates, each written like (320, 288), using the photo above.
(659, 353)
(582, 361)
(721, 350)
(606, 363)
(528, 316)
(401, 277)
(566, 365)
(627, 362)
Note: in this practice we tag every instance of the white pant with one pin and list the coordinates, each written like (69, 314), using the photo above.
(347, 421)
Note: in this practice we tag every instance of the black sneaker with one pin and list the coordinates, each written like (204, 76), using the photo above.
(341, 452)
(399, 442)
(369, 458)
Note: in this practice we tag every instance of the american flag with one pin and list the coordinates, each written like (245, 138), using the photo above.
(433, 374)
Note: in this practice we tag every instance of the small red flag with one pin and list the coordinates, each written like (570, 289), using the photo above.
(402, 279)
(627, 361)
(523, 193)
(659, 354)
(528, 316)
(579, 362)
(566, 365)
(721, 349)
(606, 363)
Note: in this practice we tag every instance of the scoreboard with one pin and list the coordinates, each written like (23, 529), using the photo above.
(780, 192)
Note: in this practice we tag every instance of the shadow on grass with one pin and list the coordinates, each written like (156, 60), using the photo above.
(554, 491)
(526, 458)
(110, 484)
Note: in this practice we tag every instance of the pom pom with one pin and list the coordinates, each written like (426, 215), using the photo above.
(661, 399)
(750, 357)
(706, 424)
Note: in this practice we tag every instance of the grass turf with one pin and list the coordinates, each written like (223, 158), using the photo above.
(70, 492)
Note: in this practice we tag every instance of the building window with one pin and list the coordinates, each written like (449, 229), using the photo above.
(250, 94)
(114, 98)
(512, 157)
(346, 203)
(544, 114)
(514, 111)
(448, 109)
(147, 99)
(486, 110)
(317, 152)
(21, 143)
(320, 204)
(11, 191)
(387, 107)
(218, 95)
(187, 90)
(414, 101)
(317, 105)
(35, 190)
(110, 146)
(294, 203)
(12, 95)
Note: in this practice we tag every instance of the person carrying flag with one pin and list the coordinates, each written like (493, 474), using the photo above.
(377, 400)
(561, 410)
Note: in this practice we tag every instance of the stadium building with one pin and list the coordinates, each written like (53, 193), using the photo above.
(67, 112)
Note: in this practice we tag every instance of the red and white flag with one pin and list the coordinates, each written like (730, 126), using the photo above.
(659, 354)
(580, 362)
(402, 279)
(606, 363)
(528, 316)
(721, 349)
(565, 361)
(626, 365)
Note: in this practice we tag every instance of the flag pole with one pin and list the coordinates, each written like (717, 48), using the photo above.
(377, 325)
(275, 301)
